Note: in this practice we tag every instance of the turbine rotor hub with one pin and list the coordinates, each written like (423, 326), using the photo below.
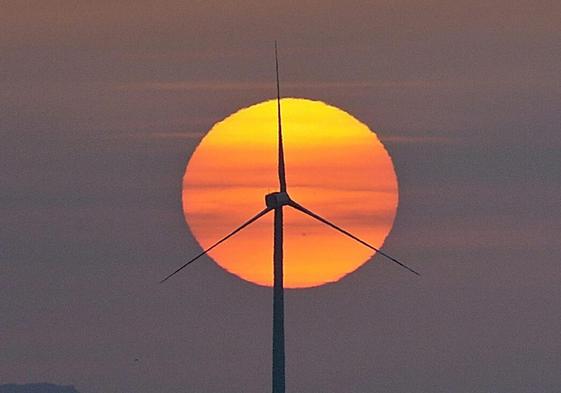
(277, 199)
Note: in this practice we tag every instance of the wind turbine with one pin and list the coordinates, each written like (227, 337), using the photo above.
(276, 201)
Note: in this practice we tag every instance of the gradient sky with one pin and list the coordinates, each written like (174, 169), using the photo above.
(101, 104)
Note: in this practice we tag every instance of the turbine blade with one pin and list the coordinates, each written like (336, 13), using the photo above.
(323, 220)
(282, 176)
(245, 224)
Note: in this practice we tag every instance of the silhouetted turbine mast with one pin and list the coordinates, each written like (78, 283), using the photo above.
(276, 201)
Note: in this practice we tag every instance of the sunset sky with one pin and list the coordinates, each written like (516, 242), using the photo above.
(102, 104)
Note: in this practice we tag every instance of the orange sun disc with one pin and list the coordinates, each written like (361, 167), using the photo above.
(335, 166)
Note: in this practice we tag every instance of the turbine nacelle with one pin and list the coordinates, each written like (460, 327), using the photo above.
(277, 199)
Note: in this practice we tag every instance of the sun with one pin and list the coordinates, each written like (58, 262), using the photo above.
(335, 166)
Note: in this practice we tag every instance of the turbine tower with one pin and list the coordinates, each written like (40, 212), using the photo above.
(276, 201)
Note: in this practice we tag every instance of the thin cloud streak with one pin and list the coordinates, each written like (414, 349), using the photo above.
(420, 139)
(249, 86)
(190, 135)
(393, 139)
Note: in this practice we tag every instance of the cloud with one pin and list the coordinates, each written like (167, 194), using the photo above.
(217, 85)
(191, 135)
(417, 139)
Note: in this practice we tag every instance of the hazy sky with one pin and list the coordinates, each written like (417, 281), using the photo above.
(101, 104)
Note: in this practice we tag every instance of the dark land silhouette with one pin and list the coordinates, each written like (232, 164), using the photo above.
(37, 388)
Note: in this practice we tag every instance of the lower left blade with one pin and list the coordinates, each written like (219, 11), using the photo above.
(245, 224)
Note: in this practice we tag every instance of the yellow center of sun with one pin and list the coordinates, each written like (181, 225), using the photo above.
(335, 166)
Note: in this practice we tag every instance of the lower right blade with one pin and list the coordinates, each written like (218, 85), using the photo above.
(323, 220)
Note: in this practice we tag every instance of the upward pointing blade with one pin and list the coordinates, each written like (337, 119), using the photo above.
(323, 220)
(282, 177)
(255, 218)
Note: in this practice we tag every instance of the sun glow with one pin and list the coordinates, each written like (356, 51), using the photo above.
(335, 166)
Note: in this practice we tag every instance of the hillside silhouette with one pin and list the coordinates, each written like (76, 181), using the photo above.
(37, 388)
